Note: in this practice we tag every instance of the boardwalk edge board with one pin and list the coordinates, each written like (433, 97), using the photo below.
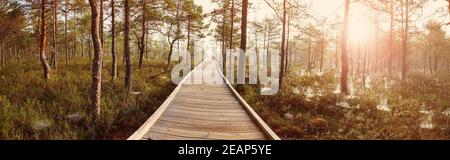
(139, 134)
(267, 130)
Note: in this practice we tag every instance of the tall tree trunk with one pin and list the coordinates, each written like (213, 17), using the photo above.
(127, 46)
(391, 38)
(43, 57)
(54, 40)
(97, 64)
(232, 23)
(405, 43)
(224, 54)
(113, 41)
(283, 45)
(257, 57)
(344, 65)
(286, 65)
(243, 46)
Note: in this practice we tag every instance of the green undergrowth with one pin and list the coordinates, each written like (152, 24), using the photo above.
(32, 108)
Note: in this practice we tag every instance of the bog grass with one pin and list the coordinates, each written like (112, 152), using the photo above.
(32, 108)
(294, 115)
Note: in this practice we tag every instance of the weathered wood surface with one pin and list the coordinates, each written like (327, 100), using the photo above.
(204, 107)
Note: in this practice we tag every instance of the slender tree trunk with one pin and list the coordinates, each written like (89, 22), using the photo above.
(54, 40)
(113, 41)
(101, 22)
(336, 55)
(436, 63)
(82, 36)
(147, 45)
(90, 47)
(430, 62)
(74, 48)
(188, 35)
(309, 54)
(268, 53)
(365, 56)
(2, 59)
(43, 57)
(257, 57)
(358, 59)
(265, 36)
(376, 57)
(283, 45)
(322, 51)
(424, 64)
(96, 86)
(171, 44)
(66, 41)
(142, 41)
(344, 69)
(127, 46)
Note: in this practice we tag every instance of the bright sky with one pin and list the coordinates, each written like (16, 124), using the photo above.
(331, 8)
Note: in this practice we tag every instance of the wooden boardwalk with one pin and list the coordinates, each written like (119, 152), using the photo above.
(204, 106)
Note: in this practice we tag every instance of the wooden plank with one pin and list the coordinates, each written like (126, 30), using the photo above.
(206, 106)
(227, 94)
(205, 122)
(222, 119)
(212, 105)
(206, 88)
(210, 127)
(208, 135)
(193, 115)
(223, 86)
(212, 110)
(204, 101)
(208, 97)
(161, 136)
(207, 93)
(207, 114)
